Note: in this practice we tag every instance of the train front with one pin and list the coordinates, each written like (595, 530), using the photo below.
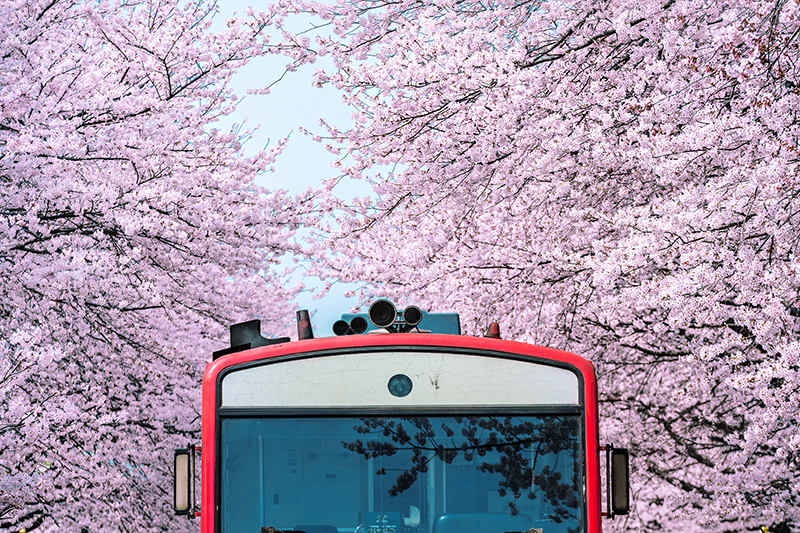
(414, 430)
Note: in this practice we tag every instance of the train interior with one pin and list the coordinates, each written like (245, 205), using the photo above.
(414, 474)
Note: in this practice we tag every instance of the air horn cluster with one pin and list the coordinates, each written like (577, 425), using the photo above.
(382, 314)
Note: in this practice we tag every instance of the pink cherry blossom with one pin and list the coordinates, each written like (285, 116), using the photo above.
(131, 234)
(618, 179)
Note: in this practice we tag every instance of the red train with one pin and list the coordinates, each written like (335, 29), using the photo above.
(399, 424)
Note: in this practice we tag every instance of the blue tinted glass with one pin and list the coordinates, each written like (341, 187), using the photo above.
(400, 385)
(421, 474)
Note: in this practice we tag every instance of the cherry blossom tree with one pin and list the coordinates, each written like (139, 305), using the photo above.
(130, 233)
(614, 178)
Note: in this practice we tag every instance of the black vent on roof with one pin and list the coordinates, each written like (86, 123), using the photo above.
(245, 336)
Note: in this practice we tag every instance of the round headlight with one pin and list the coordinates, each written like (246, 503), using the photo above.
(382, 313)
(412, 315)
(359, 324)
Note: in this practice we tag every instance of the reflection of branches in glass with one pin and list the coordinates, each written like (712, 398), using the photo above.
(519, 442)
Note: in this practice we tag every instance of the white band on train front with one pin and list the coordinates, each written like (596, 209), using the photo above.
(437, 379)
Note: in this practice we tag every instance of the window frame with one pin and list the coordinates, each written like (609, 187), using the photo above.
(222, 412)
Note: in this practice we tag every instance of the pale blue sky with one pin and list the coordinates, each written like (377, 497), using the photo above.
(293, 103)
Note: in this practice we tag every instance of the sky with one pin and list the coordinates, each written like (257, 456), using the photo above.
(291, 105)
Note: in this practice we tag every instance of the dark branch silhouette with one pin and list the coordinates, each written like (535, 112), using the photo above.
(507, 446)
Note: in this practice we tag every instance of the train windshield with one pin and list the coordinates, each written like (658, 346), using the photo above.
(412, 474)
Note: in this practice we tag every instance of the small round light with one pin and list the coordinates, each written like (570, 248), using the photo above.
(400, 385)
(412, 315)
(359, 324)
(340, 327)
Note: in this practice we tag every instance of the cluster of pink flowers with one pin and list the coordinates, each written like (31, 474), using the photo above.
(619, 179)
(130, 234)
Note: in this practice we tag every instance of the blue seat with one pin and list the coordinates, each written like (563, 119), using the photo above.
(317, 529)
(482, 523)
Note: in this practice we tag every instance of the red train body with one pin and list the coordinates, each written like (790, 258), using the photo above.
(401, 433)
